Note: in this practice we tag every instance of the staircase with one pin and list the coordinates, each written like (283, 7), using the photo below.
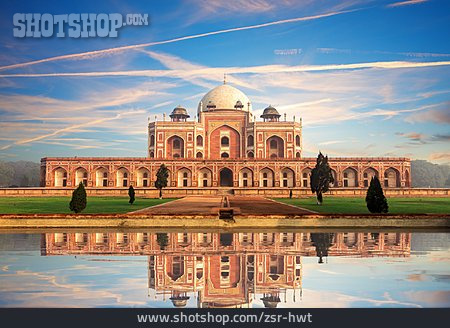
(226, 212)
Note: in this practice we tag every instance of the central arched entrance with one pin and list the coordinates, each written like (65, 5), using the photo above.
(226, 178)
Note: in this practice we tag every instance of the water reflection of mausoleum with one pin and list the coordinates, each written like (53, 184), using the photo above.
(227, 269)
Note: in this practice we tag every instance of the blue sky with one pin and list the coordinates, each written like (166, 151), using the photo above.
(368, 78)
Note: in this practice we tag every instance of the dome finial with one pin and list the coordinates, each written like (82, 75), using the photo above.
(224, 78)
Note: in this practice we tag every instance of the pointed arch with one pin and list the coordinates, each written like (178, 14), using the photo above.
(204, 177)
(274, 147)
(245, 177)
(143, 177)
(250, 141)
(81, 176)
(225, 139)
(391, 178)
(122, 177)
(60, 177)
(199, 141)
(306, 174)
(101, 177)
(175, 147)
(226, 177)
(287, 178)
(266, 177)
(184, 177)
(350, 177)
(176, 267)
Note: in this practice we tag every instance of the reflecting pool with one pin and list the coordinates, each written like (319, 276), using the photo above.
(224, 269)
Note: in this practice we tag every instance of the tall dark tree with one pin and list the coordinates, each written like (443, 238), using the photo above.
(321, 177)
(131, 194)
(161, 179)
(375, 200)
(162, 239)
(79, 199)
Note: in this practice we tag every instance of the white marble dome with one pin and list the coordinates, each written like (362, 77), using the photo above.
(224, 97)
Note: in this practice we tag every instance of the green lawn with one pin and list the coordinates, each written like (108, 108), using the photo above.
(358, 205)
(40, 205)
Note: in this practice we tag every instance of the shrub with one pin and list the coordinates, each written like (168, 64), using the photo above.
(79, 199)
(375, 200)
(131, 193)
(321, 177)
(161, 179)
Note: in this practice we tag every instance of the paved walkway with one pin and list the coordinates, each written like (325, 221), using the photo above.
(260, 205)
(190, 205)
(205, 205)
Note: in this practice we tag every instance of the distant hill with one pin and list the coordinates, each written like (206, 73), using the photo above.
(426, 174)
(19, 174)
(26, 174)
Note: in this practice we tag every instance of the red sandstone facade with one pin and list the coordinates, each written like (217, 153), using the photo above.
(224, 146)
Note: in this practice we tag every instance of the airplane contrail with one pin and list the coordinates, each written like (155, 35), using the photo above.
(263, 69)
(70, 128)
(94, 53)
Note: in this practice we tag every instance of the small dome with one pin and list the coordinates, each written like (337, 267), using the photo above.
(238, 104)
(179, 111)
(270, 111)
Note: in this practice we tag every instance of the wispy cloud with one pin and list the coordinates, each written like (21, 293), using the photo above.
(71, 128)
(176, 73)
(96, 53)
(441, 137)
(406, 3)
(98, 112)
(419, 139)
(440, 157)
(240, 6)
(367, 52)
(331, 142)
(207, 80)
(414, 136)
(439, 115)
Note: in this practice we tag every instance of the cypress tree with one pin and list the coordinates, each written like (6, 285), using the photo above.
(161, 178)
(79, 199)
(131, 193)
(321, 177)
(375, 200)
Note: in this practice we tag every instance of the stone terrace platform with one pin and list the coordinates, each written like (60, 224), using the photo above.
(227, 212)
